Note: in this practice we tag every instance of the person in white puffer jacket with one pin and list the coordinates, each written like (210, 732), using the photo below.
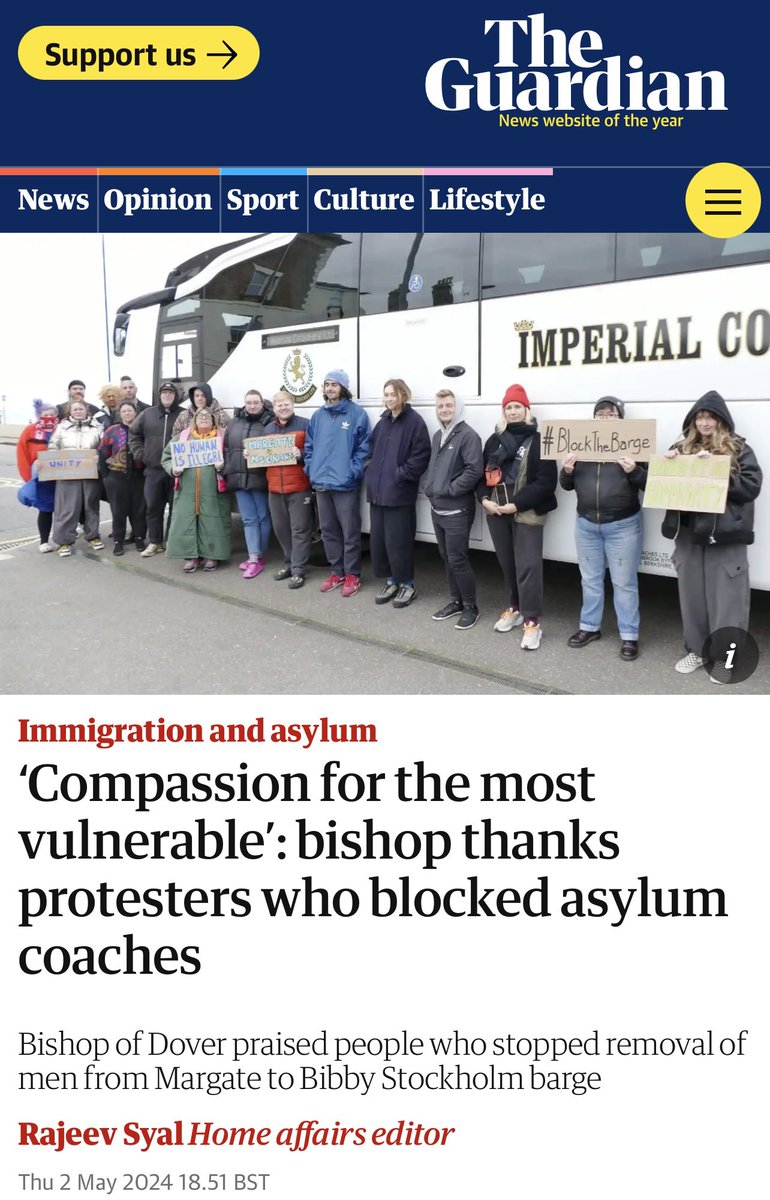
(76, 499)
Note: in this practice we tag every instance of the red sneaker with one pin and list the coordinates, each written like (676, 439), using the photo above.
(334, 581)
(351, 585)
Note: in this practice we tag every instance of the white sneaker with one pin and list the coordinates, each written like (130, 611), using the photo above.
(508, 620)
(533, 636)
(45, 548)
(151, 550)
(688, 664)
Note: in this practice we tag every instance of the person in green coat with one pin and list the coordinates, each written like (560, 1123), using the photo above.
(200, 524)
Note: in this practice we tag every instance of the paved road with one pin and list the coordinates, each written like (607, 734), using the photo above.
(132, 625)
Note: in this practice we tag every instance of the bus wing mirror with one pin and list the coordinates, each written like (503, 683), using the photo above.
(120, 333)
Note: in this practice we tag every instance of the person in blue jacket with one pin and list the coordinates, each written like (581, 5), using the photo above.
(336, 452)
(399, 455)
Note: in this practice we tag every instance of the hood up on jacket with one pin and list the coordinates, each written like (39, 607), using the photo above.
(448, 430)
(712, 403)
(207, 392)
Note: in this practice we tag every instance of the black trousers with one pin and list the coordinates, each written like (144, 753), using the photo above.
(453, 537)
(125, 492)
(391, 541)
(519, 550)
(158, 492)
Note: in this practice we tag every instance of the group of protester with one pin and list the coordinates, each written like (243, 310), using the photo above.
(335, 454)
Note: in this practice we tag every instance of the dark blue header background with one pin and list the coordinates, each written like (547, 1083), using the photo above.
(343, 84)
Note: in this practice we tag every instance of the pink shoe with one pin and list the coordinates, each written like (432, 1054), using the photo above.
(246, 563)
(252, 569)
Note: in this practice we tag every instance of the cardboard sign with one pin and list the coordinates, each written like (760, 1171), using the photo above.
(67, 464)
(196, 452)
(597, 441)
(275, 450)
(688, 483)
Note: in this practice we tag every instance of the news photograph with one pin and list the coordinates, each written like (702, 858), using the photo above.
(384, 414)
(428, 462)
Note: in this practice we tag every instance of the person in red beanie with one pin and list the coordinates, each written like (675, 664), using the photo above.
(517, 493)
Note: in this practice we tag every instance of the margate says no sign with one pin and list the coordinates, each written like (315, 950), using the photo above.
(597, 441)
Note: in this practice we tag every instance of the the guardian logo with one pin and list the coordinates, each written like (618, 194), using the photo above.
(549, 81)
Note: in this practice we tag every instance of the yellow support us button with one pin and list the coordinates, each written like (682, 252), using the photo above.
(138, 52)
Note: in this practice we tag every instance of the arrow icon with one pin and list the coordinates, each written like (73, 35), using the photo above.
(230, 54)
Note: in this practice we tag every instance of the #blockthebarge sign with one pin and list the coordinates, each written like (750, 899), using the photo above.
(597, 441)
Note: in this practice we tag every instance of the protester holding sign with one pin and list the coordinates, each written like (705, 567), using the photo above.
(35, 493)
(76, 498)
(455, 468)
(608, 533)
(249, 483)
(517, 493)
(289, 494)
(400, 452)
(710, 554)
(123, 481)
(200, 522)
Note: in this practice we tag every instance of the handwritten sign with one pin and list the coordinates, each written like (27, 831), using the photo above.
(597, 441)
(688, 483)
(196, 452)
(275, 450)
(67, 464)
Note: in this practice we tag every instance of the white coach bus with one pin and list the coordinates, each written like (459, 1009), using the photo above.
(654, 319)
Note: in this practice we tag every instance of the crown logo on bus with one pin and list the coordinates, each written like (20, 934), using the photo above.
(523, 326)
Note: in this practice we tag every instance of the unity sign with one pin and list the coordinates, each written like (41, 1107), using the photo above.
(67, 464)
(597, 441)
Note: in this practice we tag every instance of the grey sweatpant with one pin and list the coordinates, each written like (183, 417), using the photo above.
(714, 591)
(74, 496)
(293, 516)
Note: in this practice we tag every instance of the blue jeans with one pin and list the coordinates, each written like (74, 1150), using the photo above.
(255, 515)
(617, 545)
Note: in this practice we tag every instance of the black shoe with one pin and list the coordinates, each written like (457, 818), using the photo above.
(284, 573)
(139, 544)
(296, 581)
(468, 618)
(583, 637)
(386, 593)
(629, 650)
(130, 538)
(406, 594)
(449, 610)
(118, 550)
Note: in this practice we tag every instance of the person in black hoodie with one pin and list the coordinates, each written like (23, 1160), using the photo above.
(249, 484)
(148, 437)
(517, 493)
(608, 533)
(710, 554)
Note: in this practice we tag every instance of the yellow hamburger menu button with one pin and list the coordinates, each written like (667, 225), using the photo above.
(138, 52)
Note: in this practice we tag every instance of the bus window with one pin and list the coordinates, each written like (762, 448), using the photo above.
(313, 278)
(406, 271)
(517, 263)
(645, 254)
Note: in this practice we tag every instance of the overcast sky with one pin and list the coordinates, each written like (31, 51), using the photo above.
(52, 310)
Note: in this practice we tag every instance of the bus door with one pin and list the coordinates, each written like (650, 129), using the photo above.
(419, 314)
(179, 347)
